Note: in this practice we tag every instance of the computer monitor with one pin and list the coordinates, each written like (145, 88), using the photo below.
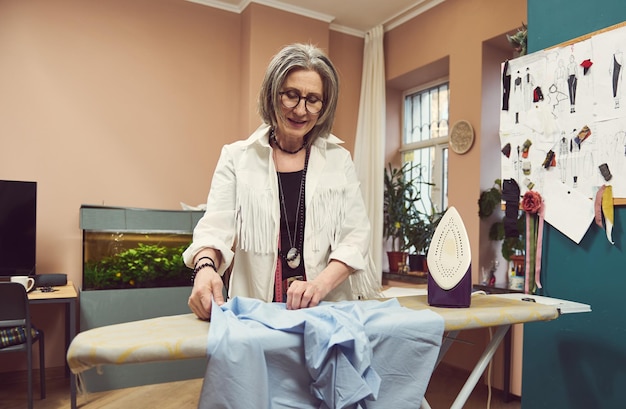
(18, 227)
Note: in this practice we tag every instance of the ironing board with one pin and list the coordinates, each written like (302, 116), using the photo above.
(185, 337)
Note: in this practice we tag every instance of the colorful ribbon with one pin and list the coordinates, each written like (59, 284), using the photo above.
(278, 277)
(533, 205)
(603, 206)
(534, 244)
(607, 211)
(539, 247)
(598, 206)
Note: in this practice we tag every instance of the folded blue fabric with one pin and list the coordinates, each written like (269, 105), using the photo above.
(335, 355)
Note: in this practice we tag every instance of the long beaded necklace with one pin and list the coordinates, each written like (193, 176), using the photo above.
(293, 257)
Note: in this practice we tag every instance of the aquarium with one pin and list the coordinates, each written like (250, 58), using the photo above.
(126, 248)
(134, 260)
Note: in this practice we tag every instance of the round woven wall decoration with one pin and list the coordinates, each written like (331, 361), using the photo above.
(461, 137)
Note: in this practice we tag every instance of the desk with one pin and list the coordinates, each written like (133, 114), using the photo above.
(65, 295)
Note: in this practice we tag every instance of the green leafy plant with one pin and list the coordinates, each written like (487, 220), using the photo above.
(422, 229)
(409, 221)
(400, 197)
(487, 203)
(519, 40)
(144, 266)
(425, 220)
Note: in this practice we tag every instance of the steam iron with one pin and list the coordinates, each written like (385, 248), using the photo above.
(450, 264)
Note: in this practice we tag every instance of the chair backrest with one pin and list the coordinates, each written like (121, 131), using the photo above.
(14, 309)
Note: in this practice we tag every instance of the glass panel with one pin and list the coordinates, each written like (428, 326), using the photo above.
(426, 118)
(422, 161)
(442, 112)
(434, 112)
(426, 114)
(444, 184)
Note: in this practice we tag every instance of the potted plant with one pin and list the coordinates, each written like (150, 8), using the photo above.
(419, 236)
(487, 203)
(399, 206)
(419, 240)
(421, 231)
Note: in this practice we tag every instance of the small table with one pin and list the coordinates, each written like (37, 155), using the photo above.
(63, 295)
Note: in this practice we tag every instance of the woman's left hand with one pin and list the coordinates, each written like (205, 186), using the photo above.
(305, 294)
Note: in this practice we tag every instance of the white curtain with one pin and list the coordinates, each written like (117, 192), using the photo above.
(369, 151)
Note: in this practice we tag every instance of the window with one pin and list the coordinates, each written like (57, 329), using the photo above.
(425, 141)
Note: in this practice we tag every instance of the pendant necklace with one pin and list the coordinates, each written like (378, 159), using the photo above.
(293, 256)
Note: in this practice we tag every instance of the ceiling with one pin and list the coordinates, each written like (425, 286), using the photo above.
(350, 16)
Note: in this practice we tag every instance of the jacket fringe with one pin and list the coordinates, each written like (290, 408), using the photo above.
(328, 210)
(254, 220)
(365, 284)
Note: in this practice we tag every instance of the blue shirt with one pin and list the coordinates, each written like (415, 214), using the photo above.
(350, 354)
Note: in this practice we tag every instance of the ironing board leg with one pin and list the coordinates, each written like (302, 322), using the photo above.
(425, 404)
(471, 382)
(448, 339)
(445, 345)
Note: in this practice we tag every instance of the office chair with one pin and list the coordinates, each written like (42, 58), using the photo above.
(17, 333)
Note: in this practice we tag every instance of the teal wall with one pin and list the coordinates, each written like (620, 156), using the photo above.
(579, 360)
(551, 22)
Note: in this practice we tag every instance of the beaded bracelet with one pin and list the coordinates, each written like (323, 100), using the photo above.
(201, 266)
(203, 258)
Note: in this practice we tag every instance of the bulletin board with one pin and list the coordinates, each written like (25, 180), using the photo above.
(563, 116)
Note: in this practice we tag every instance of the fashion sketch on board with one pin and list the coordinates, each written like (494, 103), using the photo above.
(557, 88)
(615, 70)
(572, 82)
(572, 135)
(517, 97)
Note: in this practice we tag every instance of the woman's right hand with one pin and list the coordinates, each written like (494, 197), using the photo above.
(207, 286)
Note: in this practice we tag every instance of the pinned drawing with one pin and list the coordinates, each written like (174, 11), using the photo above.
(563, 116)
(616, 76)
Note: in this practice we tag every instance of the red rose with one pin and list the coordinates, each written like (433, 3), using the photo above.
(531, 202)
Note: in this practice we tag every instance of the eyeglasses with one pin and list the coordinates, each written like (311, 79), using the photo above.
(291, 99)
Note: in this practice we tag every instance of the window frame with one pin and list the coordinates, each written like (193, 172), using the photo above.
(440, 144)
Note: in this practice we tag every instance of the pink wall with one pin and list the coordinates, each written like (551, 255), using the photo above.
(347, 54)
(269, 30)
(128, 103)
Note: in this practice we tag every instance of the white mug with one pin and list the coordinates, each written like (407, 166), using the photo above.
(26, 281)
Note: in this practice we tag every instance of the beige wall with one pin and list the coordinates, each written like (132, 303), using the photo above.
(128, 103)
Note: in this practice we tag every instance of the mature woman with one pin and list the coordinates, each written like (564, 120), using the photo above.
(285, 209)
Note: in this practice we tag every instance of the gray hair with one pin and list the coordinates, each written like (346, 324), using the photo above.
(293, 57)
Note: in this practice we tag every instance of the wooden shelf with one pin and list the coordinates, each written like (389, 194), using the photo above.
(405, 278)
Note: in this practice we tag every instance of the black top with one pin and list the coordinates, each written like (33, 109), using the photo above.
(291, 187)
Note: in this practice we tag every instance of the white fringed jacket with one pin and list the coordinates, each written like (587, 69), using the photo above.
(243, 213)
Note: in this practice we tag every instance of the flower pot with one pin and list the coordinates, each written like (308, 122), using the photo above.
(417, 262)
(397, 259)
